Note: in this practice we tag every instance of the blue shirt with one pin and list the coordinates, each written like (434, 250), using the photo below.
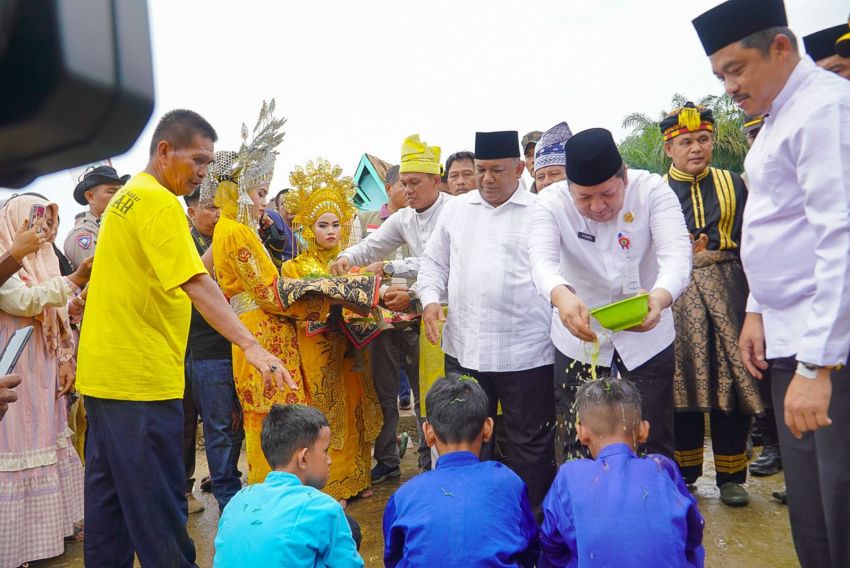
(621, 510)
(282, 522)
(463, 513)
(290, 251)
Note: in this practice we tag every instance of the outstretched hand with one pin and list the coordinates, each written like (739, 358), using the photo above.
(573, 313)
(341, 266)
(275, 375)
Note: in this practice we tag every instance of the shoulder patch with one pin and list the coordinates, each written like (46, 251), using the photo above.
(85, 240)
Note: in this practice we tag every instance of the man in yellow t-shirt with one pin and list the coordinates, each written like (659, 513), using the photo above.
(130, 369)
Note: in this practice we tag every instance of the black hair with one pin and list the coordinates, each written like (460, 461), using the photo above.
(621, 171)
(457, 409)
(762, 40)
(289, 428)
(193, 198)
(280, 193)
(459, 157)
(178, 127)
(392, 176)
(607, 406)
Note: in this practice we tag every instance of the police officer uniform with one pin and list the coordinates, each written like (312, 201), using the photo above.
(80, 242)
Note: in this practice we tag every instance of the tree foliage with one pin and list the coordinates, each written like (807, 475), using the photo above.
(643, 148)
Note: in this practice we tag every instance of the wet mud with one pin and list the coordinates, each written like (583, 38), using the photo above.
(756, 535)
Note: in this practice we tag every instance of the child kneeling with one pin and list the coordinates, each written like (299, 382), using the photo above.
(618, 509)
(465, 512)
(287, 520)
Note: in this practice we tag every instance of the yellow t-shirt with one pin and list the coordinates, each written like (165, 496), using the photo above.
(137, 317)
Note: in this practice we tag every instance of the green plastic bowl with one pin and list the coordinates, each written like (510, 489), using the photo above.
(623, 314)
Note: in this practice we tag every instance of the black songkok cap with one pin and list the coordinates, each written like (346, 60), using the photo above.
(821, 45)
(842, 46)
(496, 145)
(592, 157)
(736, 19)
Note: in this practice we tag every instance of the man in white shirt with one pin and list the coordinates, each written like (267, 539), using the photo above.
(796, 254)
(497, 326)
(821, 47)
(602, 236)
(419, 174)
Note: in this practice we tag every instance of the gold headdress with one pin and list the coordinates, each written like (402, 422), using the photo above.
(221, 169)
(319, 188)
(257, 158)
(233, 175)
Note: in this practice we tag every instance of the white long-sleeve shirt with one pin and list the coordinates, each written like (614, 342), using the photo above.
(405, 226)
(796, 235)
(567, 248)
(479, 253)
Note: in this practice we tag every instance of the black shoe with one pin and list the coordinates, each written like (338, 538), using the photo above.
(733, 494)
(768, 463)
(206, 484)
(781, 496)
(381, 473)
(405, 403)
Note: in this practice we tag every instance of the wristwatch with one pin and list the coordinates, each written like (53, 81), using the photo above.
(810, 371)
(807, 370)
(388, 268)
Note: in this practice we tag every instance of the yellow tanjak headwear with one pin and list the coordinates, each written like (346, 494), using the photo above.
(419, 157)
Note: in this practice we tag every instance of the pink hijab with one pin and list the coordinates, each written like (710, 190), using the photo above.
(38, 268)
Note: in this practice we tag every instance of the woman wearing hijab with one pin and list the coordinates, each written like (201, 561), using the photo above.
(41, 477)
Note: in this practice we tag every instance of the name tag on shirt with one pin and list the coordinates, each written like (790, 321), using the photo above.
(586, 237)
(630, 277)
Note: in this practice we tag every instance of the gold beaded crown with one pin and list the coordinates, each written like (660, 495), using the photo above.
(316, 189)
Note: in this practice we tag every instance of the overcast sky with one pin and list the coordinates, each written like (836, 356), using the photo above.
(355, 77)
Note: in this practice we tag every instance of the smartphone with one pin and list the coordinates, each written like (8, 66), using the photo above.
(14, 348)
(37, 216)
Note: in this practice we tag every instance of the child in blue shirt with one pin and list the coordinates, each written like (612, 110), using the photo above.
(287, 520)
(618, 509)
(465, 512)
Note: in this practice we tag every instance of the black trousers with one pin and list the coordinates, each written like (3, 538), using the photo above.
(190, 427)
(817, 474)
(135, 499)
(654, 381)
(391, 351)
(728, 442)
(528, 413)
(766, 424)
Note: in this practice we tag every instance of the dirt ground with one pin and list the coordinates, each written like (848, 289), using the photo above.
(756, 535)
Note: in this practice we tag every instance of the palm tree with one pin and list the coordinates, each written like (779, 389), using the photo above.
(643, 148)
